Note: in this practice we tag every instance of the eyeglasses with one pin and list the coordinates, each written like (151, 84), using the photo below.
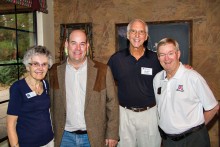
(36, 64)
(169, 54)
(140, 32)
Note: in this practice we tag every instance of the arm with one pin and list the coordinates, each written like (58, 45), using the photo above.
(208, 115)
(11, 130)
(188, 66)
(112, 111)
(207, 98)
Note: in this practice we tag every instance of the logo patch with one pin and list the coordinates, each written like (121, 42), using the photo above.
(180, 88)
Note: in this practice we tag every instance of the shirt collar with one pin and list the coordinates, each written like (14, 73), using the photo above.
(128, 53)
(178, 73)
(82, 66)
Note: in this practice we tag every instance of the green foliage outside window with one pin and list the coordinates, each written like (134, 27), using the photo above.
(14, 41)
(9, 74)
(7, 51)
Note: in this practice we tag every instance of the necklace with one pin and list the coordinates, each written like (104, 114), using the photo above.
(37, 87)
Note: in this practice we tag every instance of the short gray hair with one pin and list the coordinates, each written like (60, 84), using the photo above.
(135, 20)
(37, 50)
(165, 41)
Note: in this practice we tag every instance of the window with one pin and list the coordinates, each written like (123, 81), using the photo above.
(17, 34)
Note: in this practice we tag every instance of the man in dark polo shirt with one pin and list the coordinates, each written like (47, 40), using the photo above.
(134, 69)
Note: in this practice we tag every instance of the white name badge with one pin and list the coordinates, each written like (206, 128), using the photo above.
(31, 94)
(146, 71)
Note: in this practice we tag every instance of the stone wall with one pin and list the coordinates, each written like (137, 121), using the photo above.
(104, 14)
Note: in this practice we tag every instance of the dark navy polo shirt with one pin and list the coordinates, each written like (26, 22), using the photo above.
(34, 126)
(135, 77)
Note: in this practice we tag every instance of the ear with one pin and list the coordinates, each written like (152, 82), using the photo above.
(128, 35)
(87, 43)
(158, 57)
(66, 44)
(146, 37)
(178, 53)
(87, 48)
(28, 68)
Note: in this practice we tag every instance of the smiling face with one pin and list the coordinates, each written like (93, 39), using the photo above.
(38, 67)
(137, 34)
(77, 46)
(169, 57)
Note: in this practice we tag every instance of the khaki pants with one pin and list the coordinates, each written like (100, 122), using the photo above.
(139, 129)
(50, 144)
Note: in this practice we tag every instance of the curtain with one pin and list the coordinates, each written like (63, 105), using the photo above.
(35, 5)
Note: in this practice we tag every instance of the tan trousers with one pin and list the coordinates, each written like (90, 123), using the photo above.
(50, 144)
(139, 129)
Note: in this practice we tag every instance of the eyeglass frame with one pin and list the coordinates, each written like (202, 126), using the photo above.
(37, 64)
(140, 32)
(170, 54)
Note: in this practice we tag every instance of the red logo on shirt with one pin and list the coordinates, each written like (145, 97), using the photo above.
(180, 88)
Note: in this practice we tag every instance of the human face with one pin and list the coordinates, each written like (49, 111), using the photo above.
(169, 57)
(77, 47)
(38, 67)
(137, 35)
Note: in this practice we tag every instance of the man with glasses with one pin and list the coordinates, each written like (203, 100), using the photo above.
(185, 102)
(134, 69)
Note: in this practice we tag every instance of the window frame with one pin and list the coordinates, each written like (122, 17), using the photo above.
(34, 31)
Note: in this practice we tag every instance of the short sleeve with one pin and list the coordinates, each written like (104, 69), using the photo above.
(206, 96)
(15, 101)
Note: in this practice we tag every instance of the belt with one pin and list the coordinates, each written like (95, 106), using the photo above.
(79, 132)
(177, 137)
(139, 109)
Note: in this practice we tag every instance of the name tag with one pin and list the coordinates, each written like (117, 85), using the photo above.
(31, 94)
(146, 71)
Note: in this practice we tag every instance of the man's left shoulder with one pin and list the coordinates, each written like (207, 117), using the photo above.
(101, 67)
(100, 83)
(98, 64)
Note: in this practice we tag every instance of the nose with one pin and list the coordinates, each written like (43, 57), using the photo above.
(78, 47)
(166, 57)
(40, 66)
(137, 34)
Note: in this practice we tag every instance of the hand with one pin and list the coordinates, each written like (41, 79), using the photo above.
(111, 142)
(188, 66)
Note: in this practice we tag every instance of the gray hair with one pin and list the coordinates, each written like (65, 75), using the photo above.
(135, 20)
(165, 41)
(37, 50)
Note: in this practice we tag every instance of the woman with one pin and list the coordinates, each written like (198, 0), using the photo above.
(28, 119)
